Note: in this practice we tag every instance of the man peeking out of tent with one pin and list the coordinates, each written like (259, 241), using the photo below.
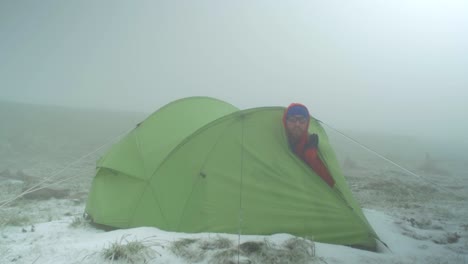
(296, 122)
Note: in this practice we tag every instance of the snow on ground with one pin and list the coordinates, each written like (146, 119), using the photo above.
(420, 219)
(59, 242)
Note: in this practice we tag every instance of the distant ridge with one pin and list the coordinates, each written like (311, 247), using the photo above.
(71, 107)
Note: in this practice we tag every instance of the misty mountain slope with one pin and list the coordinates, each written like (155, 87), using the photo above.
(49, 144)
(35, 134)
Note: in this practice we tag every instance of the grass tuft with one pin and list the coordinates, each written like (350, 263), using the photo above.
(186, 248)
(217, 243)
(136, 251)
(79, 222)
(15, 220)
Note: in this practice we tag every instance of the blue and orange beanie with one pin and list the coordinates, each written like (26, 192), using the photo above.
(297, 109)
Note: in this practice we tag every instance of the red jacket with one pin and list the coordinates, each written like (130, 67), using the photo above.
(310, 155)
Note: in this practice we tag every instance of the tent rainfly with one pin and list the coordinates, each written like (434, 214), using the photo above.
(199, 164)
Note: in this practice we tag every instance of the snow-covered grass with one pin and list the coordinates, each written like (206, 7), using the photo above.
(58, 242)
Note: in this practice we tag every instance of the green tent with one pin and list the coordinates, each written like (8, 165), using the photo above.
(201, 165)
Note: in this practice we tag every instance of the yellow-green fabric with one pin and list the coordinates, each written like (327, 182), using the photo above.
(202, 165)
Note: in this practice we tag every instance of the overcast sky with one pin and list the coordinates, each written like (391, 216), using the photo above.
(363, 64)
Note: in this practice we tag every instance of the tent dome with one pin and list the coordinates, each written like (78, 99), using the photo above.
(202, 165)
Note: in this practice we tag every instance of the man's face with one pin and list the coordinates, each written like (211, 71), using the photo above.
(296, 126)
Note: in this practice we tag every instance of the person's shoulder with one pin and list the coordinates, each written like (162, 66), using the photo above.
(312, 141)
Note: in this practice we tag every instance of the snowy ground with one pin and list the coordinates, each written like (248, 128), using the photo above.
(422, 219)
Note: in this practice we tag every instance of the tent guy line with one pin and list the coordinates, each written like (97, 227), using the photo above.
(39, 186)
(387, 159)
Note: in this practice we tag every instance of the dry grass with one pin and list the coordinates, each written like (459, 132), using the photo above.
(14, 220)
(79, 222)
(134, 251)
(187, 249)
(223, 251)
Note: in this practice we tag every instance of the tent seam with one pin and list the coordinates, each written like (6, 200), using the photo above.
(200, 130)
(204, 162)
(144, 170)
(185, 140)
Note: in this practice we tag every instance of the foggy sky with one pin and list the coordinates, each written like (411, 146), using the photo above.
(397, 65)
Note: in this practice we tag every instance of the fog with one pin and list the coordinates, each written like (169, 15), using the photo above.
(397, 66)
